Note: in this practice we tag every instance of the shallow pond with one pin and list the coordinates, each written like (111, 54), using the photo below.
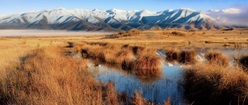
(156, 89)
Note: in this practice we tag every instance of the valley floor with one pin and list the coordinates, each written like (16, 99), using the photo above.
(16, 44)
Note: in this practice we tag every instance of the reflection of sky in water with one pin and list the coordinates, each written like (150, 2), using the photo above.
(157, 90)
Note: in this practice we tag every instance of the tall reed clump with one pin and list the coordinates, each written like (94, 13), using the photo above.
(211, 84)
(172, 55)
(216, 57)
(47, 77)
(148, 66)
(111, 96)
(243, 61)
(187, 57)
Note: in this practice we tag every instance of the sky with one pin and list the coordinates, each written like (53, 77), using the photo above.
(18, 6)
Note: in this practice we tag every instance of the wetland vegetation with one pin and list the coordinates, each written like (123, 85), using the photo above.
(135, 67)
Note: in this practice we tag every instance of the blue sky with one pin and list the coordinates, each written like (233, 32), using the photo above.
(15, 6)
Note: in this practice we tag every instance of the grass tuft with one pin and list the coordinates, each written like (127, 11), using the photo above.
(172, 55)
(137, 99)
(187, 57)
(111, 95)
(148, 65)
(47, 77)
(212, 84)
(216, 57)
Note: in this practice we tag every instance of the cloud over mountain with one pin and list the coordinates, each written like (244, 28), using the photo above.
(231, 16)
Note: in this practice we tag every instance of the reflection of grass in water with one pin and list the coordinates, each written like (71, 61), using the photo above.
(143, 63)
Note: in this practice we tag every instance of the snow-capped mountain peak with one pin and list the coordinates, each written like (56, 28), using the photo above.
(113, 19)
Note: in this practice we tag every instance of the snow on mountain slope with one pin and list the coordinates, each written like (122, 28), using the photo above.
(113, 19)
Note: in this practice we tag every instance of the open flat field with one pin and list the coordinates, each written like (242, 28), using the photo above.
(17, 42)
(40, 67)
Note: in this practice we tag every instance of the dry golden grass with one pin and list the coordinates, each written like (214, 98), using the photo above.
(207, 84)
(14, 48)
(165, 38)
(187, 57)
(108, 55)
(137, 99)
(216, 57)
(111, 95)
(143, 61)
(46, 77)
(125, 55)
(58, 86)
(148, 66)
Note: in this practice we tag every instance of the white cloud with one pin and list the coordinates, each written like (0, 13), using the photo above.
(234, 16)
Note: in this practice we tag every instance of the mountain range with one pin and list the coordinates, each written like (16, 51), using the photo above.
(113, 19)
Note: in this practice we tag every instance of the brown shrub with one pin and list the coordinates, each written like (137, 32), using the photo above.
(187, 57)
(172, 55)
(176, 33)
(148, 65)
(217, 57)
(243, 61)
(209, 84)
(84, 53)
(124, 34)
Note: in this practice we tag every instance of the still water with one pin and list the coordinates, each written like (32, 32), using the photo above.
(156, 89)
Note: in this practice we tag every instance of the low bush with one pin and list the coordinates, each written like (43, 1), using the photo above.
(176, 33)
